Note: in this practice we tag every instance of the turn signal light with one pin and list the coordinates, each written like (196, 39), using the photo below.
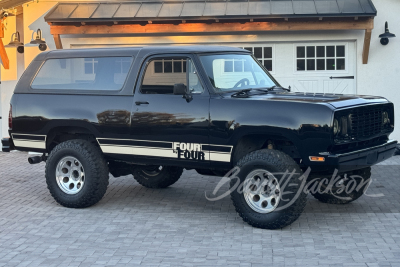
(319, 159)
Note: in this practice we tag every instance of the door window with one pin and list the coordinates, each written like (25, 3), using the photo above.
(163, 73)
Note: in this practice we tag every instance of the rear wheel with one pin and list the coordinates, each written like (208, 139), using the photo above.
(155, 176)
(269, 197)
(76, 174)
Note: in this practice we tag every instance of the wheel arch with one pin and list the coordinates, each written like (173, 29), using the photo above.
(255, 141)
(61, 134)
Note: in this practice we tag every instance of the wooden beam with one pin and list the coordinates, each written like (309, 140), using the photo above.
(2, 30)
(367, 44)
(18, 10)
(214, 27)
(3, 55)
(57, 41)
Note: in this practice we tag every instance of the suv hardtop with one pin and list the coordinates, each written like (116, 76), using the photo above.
(154, 111)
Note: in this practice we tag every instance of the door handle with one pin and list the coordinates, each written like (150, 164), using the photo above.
(138, 103)
(342, 77)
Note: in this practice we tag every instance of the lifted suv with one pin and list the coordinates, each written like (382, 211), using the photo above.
(154, 111)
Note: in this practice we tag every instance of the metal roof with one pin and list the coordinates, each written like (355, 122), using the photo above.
(204, 10)
(6, 4)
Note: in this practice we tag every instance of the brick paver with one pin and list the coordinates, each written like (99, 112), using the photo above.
(177, 226)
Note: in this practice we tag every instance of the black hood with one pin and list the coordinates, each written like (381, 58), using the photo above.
(335, 100)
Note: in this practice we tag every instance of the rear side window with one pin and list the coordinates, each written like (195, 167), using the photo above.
(101, 73)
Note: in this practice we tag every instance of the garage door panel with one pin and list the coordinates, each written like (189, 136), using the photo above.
(338, 87)
(307, 67)
(319, 85)
(310, 66)
(306, 85)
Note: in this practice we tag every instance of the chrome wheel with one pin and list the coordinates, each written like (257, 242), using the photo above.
(262, 191)
(70, 175)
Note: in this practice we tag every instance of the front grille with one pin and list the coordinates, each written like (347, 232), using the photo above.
(366, 122)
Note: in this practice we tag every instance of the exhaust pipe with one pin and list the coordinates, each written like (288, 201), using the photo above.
(36, 159)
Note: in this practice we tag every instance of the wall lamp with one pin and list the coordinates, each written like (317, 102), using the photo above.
(16, 43)
(38, 41)
(385, 36)
(4, 14)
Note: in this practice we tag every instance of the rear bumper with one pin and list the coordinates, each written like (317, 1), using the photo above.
(7, 144)
(361, 158)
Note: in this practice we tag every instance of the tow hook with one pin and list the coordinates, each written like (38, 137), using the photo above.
(37, 159)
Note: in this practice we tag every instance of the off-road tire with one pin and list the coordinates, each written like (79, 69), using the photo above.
(96, 173)
(166, 177)
(351, 196)
(274, 162)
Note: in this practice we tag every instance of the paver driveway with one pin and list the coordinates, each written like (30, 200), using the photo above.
(176, 226)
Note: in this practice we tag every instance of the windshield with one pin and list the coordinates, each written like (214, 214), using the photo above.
(231, 72)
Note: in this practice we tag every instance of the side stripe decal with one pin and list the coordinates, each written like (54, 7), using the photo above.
(191, 151)
(29, 137)
(29, 141)
(134, 143)
(177, 150)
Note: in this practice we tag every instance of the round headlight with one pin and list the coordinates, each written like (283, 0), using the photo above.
(336, 127)
(385, 118)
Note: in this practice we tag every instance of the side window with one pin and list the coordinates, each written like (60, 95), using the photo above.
(101, 73)
(163, 73)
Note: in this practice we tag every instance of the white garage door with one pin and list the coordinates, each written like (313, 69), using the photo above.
(310, 67)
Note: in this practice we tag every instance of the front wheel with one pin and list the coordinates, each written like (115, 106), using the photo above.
(267, 190)
(76, 174)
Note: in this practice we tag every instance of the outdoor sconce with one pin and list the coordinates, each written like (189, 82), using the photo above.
(385, 36)
(16, 43)
(4, 14)
(38, 41)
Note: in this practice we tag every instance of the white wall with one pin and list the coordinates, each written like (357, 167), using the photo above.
(31, 20)
(10, 76)
(7, 87)
(381, 76)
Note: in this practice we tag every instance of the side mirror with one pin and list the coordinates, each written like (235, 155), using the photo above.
(180, 89)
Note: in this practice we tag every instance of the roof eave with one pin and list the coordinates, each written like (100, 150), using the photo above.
(203, 18)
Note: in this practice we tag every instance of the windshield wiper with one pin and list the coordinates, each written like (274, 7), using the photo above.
(242, 93)
(245, 92)
(272, 88)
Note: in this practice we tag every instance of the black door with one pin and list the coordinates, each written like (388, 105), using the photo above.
(168, 128)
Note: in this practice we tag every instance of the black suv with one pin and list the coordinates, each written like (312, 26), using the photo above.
(153, 111)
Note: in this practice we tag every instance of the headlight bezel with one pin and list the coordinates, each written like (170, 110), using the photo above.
(385, 118)
(337, 126)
